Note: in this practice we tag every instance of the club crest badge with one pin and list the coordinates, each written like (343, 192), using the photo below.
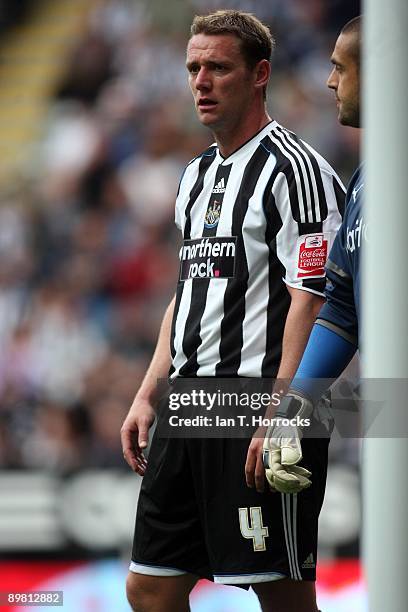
(212, 215)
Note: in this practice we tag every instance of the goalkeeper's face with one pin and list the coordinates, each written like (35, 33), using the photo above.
(344, 79)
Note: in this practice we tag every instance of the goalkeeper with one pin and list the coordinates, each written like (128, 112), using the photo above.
(334, 337)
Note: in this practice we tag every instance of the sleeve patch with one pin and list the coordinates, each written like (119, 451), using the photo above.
(312, 252)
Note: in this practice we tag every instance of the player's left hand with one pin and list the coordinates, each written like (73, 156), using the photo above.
(282, 449)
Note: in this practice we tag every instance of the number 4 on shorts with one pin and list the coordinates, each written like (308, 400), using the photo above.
(253, 529)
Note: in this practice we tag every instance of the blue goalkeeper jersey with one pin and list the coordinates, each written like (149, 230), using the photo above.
(341, 313)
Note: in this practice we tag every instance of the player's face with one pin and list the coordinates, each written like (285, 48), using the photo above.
(220, 80)
(344, 79)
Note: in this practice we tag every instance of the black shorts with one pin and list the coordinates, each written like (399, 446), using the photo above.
(197, 515)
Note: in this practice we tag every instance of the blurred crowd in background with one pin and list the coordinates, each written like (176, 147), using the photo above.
(88, 248)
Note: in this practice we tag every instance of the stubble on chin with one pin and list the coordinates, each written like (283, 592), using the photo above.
(350, 119)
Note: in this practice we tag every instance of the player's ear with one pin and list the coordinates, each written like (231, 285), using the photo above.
(262, 73)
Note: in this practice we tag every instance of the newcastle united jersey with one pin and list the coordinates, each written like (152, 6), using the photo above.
(252, 223)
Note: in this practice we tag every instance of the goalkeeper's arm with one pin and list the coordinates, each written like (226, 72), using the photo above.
(326, 355)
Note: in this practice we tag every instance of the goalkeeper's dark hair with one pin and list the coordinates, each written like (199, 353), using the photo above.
(354, 29)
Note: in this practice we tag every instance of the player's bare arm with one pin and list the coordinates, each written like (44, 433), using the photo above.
(135, 429)
(302, 313)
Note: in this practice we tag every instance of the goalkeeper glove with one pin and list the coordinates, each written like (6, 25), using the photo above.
(282, 450)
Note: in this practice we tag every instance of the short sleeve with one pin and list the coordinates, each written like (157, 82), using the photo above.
(308, 230)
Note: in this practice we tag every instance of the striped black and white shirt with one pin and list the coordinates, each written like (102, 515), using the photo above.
(252, 223)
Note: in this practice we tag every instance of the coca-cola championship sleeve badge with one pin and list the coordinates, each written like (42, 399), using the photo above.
(312, 251)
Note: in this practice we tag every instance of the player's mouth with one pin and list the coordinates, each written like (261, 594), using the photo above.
(206, 104)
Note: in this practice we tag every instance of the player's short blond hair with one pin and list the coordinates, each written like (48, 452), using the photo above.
(257, 42)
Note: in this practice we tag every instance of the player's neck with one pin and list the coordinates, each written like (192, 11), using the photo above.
(230, 140)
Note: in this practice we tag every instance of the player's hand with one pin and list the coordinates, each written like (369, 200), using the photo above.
(282, 449)
(134, 434)
(254, 468)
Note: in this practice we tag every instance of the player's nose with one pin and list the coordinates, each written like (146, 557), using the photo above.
(331, 81)
(203, 80)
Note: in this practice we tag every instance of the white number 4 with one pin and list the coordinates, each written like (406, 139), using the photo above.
(256, 530)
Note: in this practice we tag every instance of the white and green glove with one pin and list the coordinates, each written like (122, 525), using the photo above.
(282, 450)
